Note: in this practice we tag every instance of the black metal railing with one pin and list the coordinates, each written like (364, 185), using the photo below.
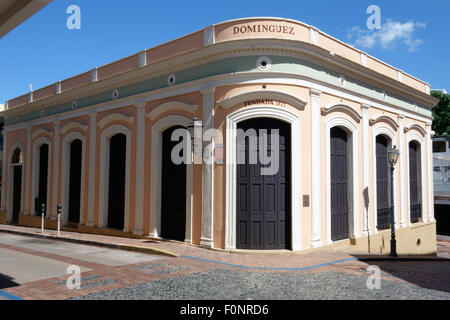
(383, 219)
(416, 212)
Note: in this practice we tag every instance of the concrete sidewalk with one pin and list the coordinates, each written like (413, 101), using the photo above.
(282, 259)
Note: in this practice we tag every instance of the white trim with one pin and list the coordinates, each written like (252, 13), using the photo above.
(4, 173)
(73, 126)
(353, 136)
(231, 127)
(10, 186)
(156, 177)
(387, 119)
(27, 173)
(107, 120)
(401, 145)
(430, 180)
(171, 106)
(140, 170)
(224, 80)
(106, 135)
(316, 210)
(340, 106)
(55, 167)
(92, 161)
(65, 174)
(366, 168)
(419, 140)
(380, 130)
(35, 173)
(416, 127)
(41, 132)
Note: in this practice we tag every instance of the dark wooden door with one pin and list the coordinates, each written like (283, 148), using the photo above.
(117, 172)
(263, 202)
(173, 192)
(43, 179)
(76, 150)
(414, 182)
(339, 184)
(17, 196)
(383, 184)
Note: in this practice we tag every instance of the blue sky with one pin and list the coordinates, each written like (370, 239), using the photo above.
(414, 35)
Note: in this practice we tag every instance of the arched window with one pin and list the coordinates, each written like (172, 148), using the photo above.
(17, 157)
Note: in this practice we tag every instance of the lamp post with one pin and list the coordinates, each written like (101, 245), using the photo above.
(393, 156)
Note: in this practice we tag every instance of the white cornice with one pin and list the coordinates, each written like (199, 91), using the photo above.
(73, 125)
(416, 127)
(386, 119)
(262, 95)
(342, 107)
(170, 106)
(115, 117)
(41, 132)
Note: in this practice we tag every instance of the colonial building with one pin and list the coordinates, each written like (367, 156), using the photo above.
(100, 144)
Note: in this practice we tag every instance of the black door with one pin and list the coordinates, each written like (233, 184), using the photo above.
(339, 184)
(76, 149)
(263, 210)
(17, 196)
(173, 192)
(43, 179)
(117, 171)
(383, 184)
(414, 182)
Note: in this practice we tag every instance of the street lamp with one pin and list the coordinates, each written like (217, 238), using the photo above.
(393, 156)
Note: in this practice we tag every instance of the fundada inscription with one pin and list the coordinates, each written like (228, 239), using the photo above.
(264, 102)
(260, 28)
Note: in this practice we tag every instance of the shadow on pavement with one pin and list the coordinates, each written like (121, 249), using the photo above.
(427, 273)
(6, 282)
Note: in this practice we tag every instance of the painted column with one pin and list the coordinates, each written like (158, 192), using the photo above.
(401, 167)
(430, 173)
(207, 171)
(140, 158)
(92, 156)
(28, 173)
(4, 172)
(55, 182)
(366, 167)
(315, 163)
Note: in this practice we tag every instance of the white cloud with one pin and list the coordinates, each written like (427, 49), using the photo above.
(389, 36)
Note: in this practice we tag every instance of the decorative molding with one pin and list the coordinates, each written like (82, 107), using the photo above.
(416, 127)
(142, 58)
(364, 59)
(41, 132)
(74, 125)
(386, 119)
(171, 106)
(342, 107)
(263, 94)
(313, 36)
(115, 117)
(209, 36)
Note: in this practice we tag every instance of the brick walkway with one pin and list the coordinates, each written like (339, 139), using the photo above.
(106, 278)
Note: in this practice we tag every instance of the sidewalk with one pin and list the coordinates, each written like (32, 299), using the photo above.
(285, 259)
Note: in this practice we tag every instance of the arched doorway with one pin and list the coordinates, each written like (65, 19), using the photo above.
(339, 161)
(383, 183)
(117, 176)
(75, 178)
(173, 191)
(42, 186)
(16, 167)
(415, 183)
(263, 202)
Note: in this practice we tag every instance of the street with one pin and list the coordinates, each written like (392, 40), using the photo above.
(36, 269)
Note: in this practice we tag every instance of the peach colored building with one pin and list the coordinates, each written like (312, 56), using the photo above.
(99, 144)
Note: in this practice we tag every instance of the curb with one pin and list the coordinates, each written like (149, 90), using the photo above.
(400, 259)
(118, 246)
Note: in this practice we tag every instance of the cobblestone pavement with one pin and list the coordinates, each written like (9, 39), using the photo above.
(257, 278)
